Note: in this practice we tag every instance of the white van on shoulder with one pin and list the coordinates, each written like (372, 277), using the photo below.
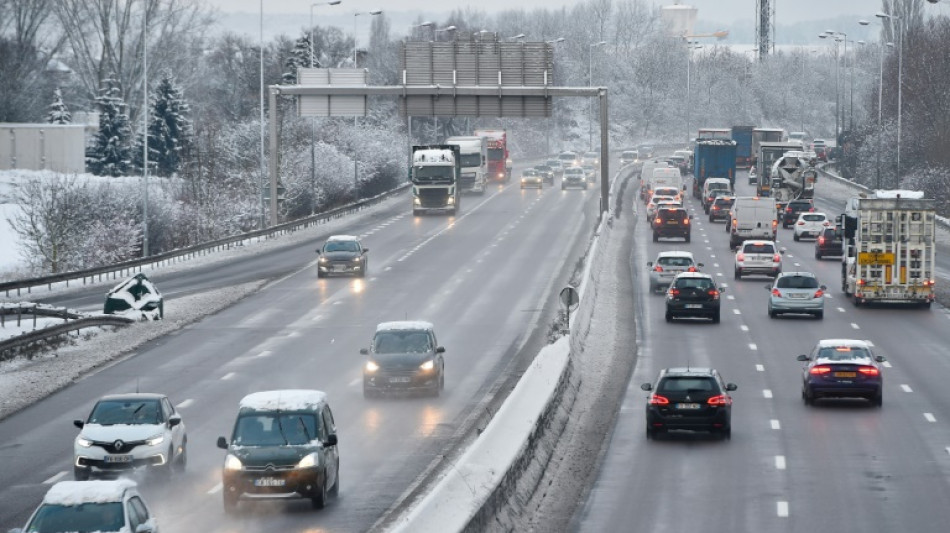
(752, 217)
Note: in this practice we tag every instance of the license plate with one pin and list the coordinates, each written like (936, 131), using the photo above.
(846, 374)
(793, 295)
(693, 306)
(687, 406)
(269, 482)
(672, 222)
(118, 459)
(400, 379)
(338, 268)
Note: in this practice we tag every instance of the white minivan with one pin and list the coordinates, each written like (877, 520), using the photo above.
(714, 184)
(752, 217)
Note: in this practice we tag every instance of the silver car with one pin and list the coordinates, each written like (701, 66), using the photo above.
(796, 292)
(667, 265)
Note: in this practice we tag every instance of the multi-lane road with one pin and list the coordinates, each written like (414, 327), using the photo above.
(487, 279)
(839, 466)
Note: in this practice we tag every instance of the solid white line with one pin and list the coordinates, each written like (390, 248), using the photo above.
(855, 326)
(356, 382)
(743, 327)
(766, 393)
(780, 462)
(216, 489)
(752, 346)
(55, 478)
(265, 353)
(782, 509)
(930, 417)
(185, 403)
(887, 364)
(760, 368)
(907, 388)
(227, 376)
(775, 424)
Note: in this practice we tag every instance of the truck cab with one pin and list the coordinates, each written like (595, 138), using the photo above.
(435, 176)
(473, 151)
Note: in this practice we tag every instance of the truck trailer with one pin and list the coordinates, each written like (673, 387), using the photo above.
(713, 158)
(499, 168)
(743, 137)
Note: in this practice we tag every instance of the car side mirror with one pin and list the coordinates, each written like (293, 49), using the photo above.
(700, 265)
(440, 349)
(782, 251)
(649, 263)
(222, 443)
(880, 358)
(822, 287)
(318, 251)
(364, 351)
(365, 250)
(803, 357)
(722, 289)
(691, 217)
(646, 386)
(174, 420)
(768, 287)
(731, 386)
(331, 440)
(79, 423)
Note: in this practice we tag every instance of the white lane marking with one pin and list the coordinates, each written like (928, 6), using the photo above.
(338, 302)
(216, 489)
(855, 326)
(798, 264)
(729, 296)
(780, 462)
(709, 247)
(55, 478)
(736, 312)
(356, 382)
(227, 376)
(718, 273)
(372, 278)
(760, 368)
(743, 327)
(828, 295)
(782, 509)
(841, 309)
(766, 393)
(907, 388)
(317, 318)
(752, 346)
(713, 256)
(706, 240)
(887, 364)
(775, 424)
(265, 353)
(948, 449)
(930, 417)
(716, 265)
(184, 404)
(387, 269)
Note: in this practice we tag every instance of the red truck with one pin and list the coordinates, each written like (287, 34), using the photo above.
(498, 167)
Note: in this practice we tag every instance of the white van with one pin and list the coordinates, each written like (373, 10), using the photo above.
(752, 217)
(646, 173)
(666, 177)
(710, 185)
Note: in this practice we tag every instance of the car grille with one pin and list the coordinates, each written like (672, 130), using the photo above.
(433, 197)
(467, 181)
(111, 445)
(270, 467)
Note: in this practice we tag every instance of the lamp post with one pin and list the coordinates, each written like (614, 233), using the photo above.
(316, 4)
(313, 120)
(145, 131)
(690, 46)
(355, 38)
(880, 104)
(426, 24)
(833, 34)
(900, 83)
(443, 30)
(590, 82)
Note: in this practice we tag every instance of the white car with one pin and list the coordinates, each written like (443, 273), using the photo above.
(811, 224)
(667, 265)
(758, 257)
(129, 431)
(660, 201)
(106, 506)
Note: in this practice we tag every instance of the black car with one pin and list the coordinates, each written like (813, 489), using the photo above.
(693, 294)
(671, 222)
(719, 210)
(690, 399)
(342, 254)
(829, 242)
(404, 357)
(842, 368)
(795, 208)
(547, 173)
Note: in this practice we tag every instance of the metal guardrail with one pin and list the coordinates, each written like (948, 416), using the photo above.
(8, 346)
(120, 269)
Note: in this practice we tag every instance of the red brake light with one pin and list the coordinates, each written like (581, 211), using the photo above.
(801, 222)
(658, 268)
(869, 371)
(821, 240)
(657, 221)
(691, 269)
(715, 208)
(811, 209)
(674, 292)
(686, 221)
(819, 293)
(776, 258)
(714, 293)
(788, 209)
(720, 399)
(740, 256)
(776, 292)
(820, 370)
(859, 282)
(656, 399)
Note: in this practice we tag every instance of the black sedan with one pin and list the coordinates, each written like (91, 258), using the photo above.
(342, 254)
(693, 294)
(689, 399)
(842, 368)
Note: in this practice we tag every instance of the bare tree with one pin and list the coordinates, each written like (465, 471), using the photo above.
(27, 43)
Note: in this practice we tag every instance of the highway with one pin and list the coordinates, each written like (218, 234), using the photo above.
(841, 465)
(487, 279)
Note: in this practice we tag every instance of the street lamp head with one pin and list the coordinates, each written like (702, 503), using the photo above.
(426, 24)
(376, 12)
(519, 36)
(889, 44)
(882, 15)
(601, 43)
(864, 22)
(822, 35)
(334, 2)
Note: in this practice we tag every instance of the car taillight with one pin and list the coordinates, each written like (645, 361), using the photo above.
(657, 221)
(819, 293)
(685, 221)
(859, 282)
(826, 223)
(811, 209)
(788, 209)
(821, 240)
(658, 268)
(774, 223)
(656, 399)
(735, 222)
(776, 292)
(869, 371)
(720, 399)
(674, 292)
(776, 258)
(714, 293)
(819, 370)
(801, 222)
(740, 256)
(715, 208)
(693, 269)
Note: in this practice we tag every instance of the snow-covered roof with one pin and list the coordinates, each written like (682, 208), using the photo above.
(405, 325)
(80, 492)
(133, 396)
(834, 343)
(902, 193)
(283, 400)
(433, 156)
(675, 253)
(343, 238)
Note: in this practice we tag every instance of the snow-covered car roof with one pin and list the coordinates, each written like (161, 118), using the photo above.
(343, 238)
(283, 400)
(79, 492)
(405, 325)
(851, 343)
(134, 396)
(674, 253)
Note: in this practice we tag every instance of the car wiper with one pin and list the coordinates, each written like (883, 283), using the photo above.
(280, 427)
(304, 426)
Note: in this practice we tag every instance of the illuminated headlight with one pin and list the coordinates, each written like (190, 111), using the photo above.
(309, 461)
(427, 366)
(501, 174)
(357, 260)
(371, 366)
(416, 201)
(155, 440)
(451, 200)
(232, 463)
(324, 260)
(83, 441)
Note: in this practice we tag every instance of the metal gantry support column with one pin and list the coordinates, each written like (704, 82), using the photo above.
(272, 163)
(604, 154)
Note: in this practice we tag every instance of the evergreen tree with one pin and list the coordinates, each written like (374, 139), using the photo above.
(58, 112)
(110, 156)
(300, 56)
(169, 129)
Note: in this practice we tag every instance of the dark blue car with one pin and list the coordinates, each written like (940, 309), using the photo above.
(842, 368)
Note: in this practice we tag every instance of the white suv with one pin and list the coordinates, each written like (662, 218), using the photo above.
(810, 225)
(758, 257)
(667, 265)
(128, 431)
(106, 506)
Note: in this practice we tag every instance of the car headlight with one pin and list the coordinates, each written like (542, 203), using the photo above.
(427, 366)
(83, 441)
(309, 461)
(451, 200)
(324, 259)
(231, 462)
(155, 440)
(416, 201)
(371, 366)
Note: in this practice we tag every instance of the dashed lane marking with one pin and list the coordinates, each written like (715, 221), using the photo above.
(228, 376)
(780, 462)
(55, 478)
(743, 327)
(736, 312)
(907, 388)
(855, 326)
(887, 364)
(930, 417)
(782, 509)
(775, 424)
(216, 489)
(730, 297)
(841, 309)
(760, 368)
(184, 404)
(356, 382)
(766, 393)
(752, 346)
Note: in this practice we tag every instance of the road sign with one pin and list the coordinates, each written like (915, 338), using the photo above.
(569, 298)
(876, 258)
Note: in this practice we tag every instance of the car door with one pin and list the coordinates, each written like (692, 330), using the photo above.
(177, 431)
(332, 454)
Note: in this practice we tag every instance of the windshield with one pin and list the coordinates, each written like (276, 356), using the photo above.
(84, 518)
(675, 261)
(758, 249)
(843, 353)
(797, 282)
(109, 412)
(341, 246)
(566, 157)
(275, 429)
(471, 160)
(432, 173)
(401, 342)
(574, 171)
(496, 153)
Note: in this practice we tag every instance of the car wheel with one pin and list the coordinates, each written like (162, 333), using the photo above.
(320, 274)
(710, 218)
(230, 503)
(669, 316)
(726, 433)
(415, 213)
(807, 398)
(369, 393)
(878, 400)
(651, 433)
(820, 315)
(737, 274)
(335, 489)
(181, 462)
(772, 313)
(687, 237)
(319, 500)
(656, 237)
(81, 474)
(817, 255)
(562, 187)
(715, 318)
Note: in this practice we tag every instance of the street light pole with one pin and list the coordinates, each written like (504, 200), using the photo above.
(835, 34)
(547, 131)
(590, 83)
(900, 82)
(313, 120)
(880, 103)
(355, 38)
(145, 130)
(690, 46)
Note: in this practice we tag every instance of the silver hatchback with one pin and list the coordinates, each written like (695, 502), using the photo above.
(796, 292)
(667, 265)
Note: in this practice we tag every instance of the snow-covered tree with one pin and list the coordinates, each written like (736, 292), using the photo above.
(299, 57)
(110, 156)
(169, 129)
(58, 112)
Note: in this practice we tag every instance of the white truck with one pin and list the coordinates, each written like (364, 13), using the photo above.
(666, 177)
(793, 177)
(435, 174)
(752, 217)
(473, 152)
(889, 248)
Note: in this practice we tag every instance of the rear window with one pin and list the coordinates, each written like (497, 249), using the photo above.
(675, 261)
(694, 283)
(672, 214)
(629, 155)
(666, 191)
(800, 205)
(813, 218)
(758, 248)
(714, 186)
(843, 353)
(727, 202)
(687, 384)
(797, 282)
